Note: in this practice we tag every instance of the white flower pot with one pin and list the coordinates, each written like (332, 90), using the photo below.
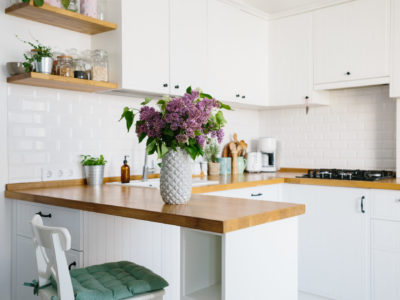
(176, 177)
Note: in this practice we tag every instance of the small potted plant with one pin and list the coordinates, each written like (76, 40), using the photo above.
(211, 152)
(40, 60)
(94, 169)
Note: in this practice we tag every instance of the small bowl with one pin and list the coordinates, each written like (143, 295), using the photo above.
(15, 68)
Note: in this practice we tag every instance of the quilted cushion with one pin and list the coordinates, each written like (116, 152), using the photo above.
(113, 281)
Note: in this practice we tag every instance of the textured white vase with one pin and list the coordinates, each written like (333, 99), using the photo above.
(176, 177)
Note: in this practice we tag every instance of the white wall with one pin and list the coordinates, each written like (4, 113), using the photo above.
(357, 130)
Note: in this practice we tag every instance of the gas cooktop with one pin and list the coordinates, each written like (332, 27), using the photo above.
(341, 174)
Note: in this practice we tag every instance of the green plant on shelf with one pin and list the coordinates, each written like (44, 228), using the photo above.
(38, 51)
(35, 2)
(88, 160)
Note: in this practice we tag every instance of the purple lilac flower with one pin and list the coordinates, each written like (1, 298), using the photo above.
(201, 140)
(153, 122)
(181, 138)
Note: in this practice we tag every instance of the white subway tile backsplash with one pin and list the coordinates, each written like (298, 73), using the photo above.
(357, 130)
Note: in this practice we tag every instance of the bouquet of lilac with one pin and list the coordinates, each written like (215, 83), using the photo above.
(180, 122)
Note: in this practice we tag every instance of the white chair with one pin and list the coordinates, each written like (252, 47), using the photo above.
(58, 239)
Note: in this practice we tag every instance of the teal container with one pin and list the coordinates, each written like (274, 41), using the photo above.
(225, 165)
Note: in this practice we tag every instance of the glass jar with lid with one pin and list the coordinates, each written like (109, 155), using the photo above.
(65, 66)
(100, 65)
(79, 69)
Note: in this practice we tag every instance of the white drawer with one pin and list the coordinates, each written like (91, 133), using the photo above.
(386, 235)
(386, 205)
(60, 217)
(263, 192)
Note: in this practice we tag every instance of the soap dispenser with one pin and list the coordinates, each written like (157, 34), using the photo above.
(125, 171)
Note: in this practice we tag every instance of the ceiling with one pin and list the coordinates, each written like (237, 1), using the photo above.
(277, 6)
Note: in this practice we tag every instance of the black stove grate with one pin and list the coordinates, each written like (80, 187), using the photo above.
(343, 174)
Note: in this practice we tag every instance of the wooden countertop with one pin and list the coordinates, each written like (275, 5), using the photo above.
(208, 213)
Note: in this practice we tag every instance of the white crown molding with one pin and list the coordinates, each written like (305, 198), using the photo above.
(307, 8)
(248, 8)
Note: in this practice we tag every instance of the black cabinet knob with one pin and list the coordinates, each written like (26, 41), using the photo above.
(348, 73)
(243, 97)
(43, 216)
(237, 95)
(307, 97)
(177, 86)
(165, 85)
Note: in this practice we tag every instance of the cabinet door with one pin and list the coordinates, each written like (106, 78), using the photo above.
(351, 42)
(188, 44)
(252, 61)
(333, 241)
(223, 51)
(145, 45)
(266, 192)
(290, 63)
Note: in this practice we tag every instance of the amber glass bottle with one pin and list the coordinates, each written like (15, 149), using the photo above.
(125, 172)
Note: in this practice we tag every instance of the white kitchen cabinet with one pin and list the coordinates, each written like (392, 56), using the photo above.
(290, 62)
(237, 55)
(333, 241)
(395, 49)
(351, 44)
(385, 235)
(188, 45)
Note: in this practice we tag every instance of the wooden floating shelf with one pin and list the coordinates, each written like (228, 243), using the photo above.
(59, 17)
(61, 82)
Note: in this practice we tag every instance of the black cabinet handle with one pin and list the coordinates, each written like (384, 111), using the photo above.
(73, 264)
(165, 85)
(177, 86)
(237, 95)
(362, 204)
(348, 73)
(256, 195)
(243, 97)
(43, 216)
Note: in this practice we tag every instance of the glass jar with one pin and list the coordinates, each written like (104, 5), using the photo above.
(101, 9)
(79, 69)
(56, 55)
(74, 6)
(87, 59)
(65, 67)
(100, 65)
(89, 8)
(55, 3)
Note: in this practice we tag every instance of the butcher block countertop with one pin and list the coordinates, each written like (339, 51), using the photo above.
(203, 212)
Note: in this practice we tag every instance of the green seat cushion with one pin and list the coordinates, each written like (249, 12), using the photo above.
(113, 281)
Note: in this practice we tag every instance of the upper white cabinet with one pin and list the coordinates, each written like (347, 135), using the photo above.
(351, 44)
(290, 62)
(188, 45)
(395, 55)
(237, 55)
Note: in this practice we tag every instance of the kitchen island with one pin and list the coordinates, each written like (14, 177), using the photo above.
(210, 248)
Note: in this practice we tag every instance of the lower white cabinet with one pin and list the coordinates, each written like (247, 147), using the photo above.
(385, 233)
(271, 192)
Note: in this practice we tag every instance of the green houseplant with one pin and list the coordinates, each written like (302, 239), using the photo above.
(93, 169)
(40, 60)
(211, 152)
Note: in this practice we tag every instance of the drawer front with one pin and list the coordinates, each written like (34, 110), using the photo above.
(385, 276)
(265, 192)
(386, 205)
(60, 217)
(26, 268)
(386, 235)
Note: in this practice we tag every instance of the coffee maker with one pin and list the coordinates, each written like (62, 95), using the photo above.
(267, 147)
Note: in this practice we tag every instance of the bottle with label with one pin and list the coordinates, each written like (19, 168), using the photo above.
(125, 171)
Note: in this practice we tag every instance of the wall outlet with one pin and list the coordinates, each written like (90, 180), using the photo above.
(49, 174)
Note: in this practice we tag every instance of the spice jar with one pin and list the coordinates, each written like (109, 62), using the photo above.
(79, 69)
(100, 65)
(56, 55)
(89, 8)
(101, 9)
(87, 59)
(73, 6)
(64, 66)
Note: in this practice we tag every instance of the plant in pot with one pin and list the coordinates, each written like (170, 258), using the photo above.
(177, 132)
(40, 60)
(94, 169)
(211, 153)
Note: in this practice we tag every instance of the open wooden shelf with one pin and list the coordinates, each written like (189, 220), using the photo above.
(59, 17)
(61, 82)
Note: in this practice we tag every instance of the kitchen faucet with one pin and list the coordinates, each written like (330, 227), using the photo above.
(146, 170)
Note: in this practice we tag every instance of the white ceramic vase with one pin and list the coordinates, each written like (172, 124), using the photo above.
(176, 177)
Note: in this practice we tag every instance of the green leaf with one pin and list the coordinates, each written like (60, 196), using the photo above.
(161, 102)
(151, 147)
(164, 150)
(197, 133)
(142, 136)
(189, 90)
(225, 106)
(168, 132)
(129, 117)
(25, 1)
(203, 95)
(192, 152)
(38, 2)
(146, 101)
(220, 119)
(65, 3)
